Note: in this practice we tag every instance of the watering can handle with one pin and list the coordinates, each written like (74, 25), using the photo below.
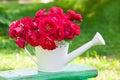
(30, 55)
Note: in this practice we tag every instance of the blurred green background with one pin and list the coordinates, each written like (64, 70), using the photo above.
(98, 16)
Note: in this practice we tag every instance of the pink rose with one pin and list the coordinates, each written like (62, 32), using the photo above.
(47, 43)
(20, 42)
(32, 38)
(72, 15)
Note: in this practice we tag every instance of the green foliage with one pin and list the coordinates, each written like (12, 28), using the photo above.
(17, 11)
(65, 4)
(3, 16)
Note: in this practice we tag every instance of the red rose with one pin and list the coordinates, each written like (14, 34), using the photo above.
(67, 30)
(45, 28)
(70, 29)
(47, 43)
(56, 18)
(56, 10)
(56, 13)
(11, 30)
(15, 31)
(18, 28)
(48, 25)
(18, 31)
(32, 38)
(72, 15)
(59, 35)
(26, 23)
(39, 15)
(35, 25)
(20, 42)
(75, 28)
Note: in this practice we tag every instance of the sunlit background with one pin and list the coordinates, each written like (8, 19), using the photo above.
(98, 16)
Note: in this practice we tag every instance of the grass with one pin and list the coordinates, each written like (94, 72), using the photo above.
(108, 68)
(105, 58)
(15, 61)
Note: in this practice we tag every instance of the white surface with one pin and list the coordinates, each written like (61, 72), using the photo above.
(16, 73)
(98, 39)
(33, 71)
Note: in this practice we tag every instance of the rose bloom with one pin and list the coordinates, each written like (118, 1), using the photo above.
(15, 30)
(59, 35)
(74, 16)
(75, 28)
(27, 24)
(56, 11)
(47, 43)
(39, 15)
(19, 27)
(45, 28)
(11, 30)
(70, 29)
(47, 25)
(56, 18)
(20, 42)
(32, 38)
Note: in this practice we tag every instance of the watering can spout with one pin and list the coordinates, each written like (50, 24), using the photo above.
(97, 40)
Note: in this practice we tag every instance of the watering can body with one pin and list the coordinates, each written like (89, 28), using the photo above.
(51, 60)
(55, 60)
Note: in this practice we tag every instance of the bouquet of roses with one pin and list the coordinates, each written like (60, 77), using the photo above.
(46, 28)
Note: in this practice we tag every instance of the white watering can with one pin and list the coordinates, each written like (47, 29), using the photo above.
(55, 60)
